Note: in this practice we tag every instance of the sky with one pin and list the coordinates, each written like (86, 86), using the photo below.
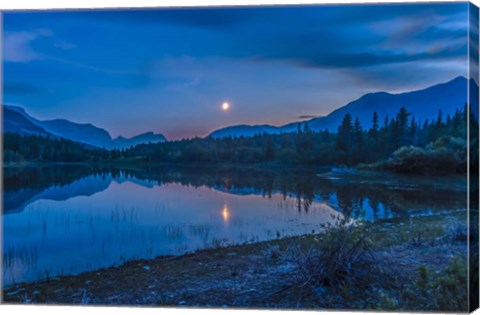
(169, 70)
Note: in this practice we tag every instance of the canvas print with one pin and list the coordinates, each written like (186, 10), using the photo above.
(297, 157)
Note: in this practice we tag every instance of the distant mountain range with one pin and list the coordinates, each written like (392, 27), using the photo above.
(423, 104)
(16, 119)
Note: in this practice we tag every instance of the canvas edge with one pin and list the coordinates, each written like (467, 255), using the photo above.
(473, 170)
(473, 73)
(1, 156)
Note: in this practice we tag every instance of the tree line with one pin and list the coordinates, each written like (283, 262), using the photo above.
(401, 143)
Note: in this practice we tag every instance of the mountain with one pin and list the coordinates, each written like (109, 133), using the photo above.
(474, 98)
(148, 137)
(84, 133)
(16, 119)
(245, 130)
(423, 104)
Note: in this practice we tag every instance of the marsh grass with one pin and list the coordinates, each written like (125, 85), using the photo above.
(357, 266)
(349, 265)
(446, 290)
(341, 261)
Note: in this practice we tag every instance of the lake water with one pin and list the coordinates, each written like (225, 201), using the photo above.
(67, 219)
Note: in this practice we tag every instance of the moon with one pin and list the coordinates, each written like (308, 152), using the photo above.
(225, 106)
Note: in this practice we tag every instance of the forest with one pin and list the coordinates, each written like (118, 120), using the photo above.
(401, 144)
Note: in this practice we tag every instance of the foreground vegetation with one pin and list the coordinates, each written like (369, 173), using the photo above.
(401, 144)
(412, 264)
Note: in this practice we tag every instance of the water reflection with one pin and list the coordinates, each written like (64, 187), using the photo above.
(71, 219)
(225, 213)
(368, 196)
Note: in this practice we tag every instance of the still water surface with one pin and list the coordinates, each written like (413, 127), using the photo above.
(65, 220)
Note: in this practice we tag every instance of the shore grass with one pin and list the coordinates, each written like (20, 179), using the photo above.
(415, 264)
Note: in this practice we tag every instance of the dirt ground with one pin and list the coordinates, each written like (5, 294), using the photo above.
(245, 276)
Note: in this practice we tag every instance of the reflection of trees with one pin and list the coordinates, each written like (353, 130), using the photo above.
(25, 185)
(16, 178)
(304, 194)
(354, 195)
(375, 206)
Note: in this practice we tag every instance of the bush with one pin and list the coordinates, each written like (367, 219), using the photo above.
(342, 269)
(343, 261)
(415, 160)
(444, 291)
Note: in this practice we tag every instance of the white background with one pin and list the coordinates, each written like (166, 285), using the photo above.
(47, 4)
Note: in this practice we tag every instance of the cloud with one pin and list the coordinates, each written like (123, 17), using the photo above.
(207, 18)
(380, 45)
(64, 45)
(17, 45)
(184, 85)
(356, 60)
(407, 76)
(358, 46)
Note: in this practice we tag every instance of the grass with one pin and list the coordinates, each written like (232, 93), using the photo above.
(412, 264)
(400, 267)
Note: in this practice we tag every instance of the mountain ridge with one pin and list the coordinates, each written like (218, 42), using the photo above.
(423, 104)
(446, 97)
(16, 119)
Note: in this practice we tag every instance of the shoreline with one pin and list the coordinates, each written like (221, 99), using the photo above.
(255, 275)
(135, 164)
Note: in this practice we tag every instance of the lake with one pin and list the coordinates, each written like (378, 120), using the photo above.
(63, 220)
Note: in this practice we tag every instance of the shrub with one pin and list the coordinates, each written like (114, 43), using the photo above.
(415, 160)
(343, 261)
(444, 291)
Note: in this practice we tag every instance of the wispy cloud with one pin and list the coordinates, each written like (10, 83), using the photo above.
(64, 45)
(17, 45)
(272, 63)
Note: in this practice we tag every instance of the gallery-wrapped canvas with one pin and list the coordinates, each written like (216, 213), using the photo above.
(317, 157)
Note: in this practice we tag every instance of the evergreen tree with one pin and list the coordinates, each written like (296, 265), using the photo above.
(345, 133)
(401, 125)
(358, 142)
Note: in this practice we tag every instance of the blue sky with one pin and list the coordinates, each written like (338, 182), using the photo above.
(169, 71)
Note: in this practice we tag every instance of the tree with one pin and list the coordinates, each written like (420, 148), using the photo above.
(268, 148)
(373, 139)
(345, 132)
(345, 139)
(358, 142)
(402, 134)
